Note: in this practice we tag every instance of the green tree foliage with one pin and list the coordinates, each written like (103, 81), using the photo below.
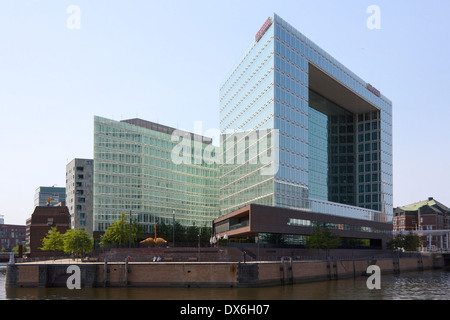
(323, 239)
(119, 232)
(182, 234)
(77, 241)
(53, 241)
(16, 248)
(408, 242)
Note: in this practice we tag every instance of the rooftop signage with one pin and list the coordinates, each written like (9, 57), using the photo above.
(263, 29)
(373, 90)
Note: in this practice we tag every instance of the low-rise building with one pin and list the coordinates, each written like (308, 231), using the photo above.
(11, 235)
(291, 226)
(40, 222)
(423, 218)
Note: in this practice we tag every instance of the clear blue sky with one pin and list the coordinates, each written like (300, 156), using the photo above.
(164, 61)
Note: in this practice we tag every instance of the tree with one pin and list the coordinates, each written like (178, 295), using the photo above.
(412, 242)
(323, 238)
(53, 241)
(77, 241)
(16, 248)
(119, 232)
(408, 242)
(192, 234)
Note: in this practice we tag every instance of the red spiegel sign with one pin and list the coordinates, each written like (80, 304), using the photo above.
(263, 29)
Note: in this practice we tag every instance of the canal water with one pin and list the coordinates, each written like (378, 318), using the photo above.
(425, 285)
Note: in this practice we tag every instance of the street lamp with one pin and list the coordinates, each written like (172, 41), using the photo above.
(173, 227)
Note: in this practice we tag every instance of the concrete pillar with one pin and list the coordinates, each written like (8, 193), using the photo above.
(446, 239)
(126, 271)
(11, 276)
(11, 258)
(43, 275)
(105, 273)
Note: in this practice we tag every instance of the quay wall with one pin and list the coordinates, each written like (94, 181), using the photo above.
(206, 274)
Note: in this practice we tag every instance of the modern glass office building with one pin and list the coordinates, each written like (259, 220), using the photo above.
(49, 196)
(135, 173)
(331, 131)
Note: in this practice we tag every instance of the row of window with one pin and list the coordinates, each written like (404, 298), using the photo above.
(335, 226)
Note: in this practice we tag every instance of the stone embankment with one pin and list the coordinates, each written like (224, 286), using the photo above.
(208, 274)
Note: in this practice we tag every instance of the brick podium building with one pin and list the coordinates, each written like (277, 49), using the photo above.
(41, 221)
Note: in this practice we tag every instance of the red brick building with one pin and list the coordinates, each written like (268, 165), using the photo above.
(41, 221)
(11, 236)
(428, 215)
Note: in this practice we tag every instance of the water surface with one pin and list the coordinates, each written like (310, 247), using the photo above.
(426, 285)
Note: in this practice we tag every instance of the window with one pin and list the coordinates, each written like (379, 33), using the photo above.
(374, 146)
(374, 115)
(360, 137)
(374, 156)
(374, 135)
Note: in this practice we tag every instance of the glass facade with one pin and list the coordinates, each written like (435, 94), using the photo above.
(135, 173)
(246, 125)
(331, 157)
(44, 196)
(332, 152)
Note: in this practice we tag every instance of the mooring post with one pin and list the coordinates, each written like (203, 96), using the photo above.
(291, 266)
(105, 273)
(126, 271)
(329, 268)
(335, 267)
(420, 262)
(11, 276)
